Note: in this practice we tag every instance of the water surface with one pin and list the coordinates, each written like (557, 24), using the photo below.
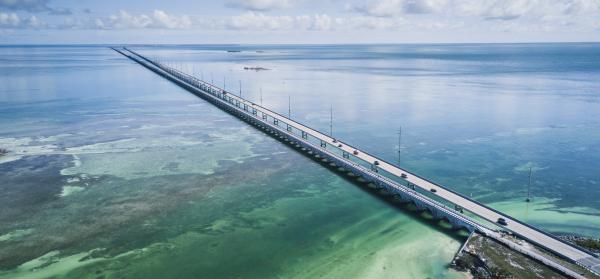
(115, 172)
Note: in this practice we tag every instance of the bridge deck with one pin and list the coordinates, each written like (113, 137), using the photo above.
(528, 232)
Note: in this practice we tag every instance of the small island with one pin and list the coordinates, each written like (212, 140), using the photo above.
(256, 69)
(589, 243)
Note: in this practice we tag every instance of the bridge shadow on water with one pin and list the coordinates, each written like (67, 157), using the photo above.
(404, 207)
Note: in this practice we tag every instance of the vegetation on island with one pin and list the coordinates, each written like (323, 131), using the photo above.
(484, 257)
(591, 244)
(588, 243)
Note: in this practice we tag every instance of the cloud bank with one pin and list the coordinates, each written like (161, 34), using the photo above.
(158, 19)
(261, 5)
(14, 21)
(416, 18)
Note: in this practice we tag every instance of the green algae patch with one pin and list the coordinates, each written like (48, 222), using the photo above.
(15, 235)
(50, 265)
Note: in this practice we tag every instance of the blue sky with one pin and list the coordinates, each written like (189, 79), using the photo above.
(298, 21)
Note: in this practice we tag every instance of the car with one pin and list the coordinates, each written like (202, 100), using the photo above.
(404, 175)
(376, 163)
(340, 145)
(355, 152)
(501, 221)
(433, 190)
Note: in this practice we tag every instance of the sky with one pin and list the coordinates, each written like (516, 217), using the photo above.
(297, 21)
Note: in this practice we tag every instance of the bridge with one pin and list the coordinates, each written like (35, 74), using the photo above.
(440, 201)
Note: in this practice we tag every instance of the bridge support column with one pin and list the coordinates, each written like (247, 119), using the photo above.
(323, 144)
(275, 121)
(345, 154)
(264, 116)
(254, 112)
(304, 135)
(289, 128)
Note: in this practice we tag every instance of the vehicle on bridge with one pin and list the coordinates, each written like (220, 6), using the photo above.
(501, 221)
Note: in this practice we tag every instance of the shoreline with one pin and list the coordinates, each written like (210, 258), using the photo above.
(483, 257)
(588, 243)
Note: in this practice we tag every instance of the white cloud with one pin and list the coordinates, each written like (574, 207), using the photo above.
(9, 20)
(14, 21)
(322, 22)
(485, 9)
(158, 19)
(259, 21)
(261, 5)
(318, 22)
(580, 6)
(391, 8)
(497, 9)
(163, 20)
(371, 23)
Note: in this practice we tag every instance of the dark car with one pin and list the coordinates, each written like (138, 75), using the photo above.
(433, 190)
(355, 152)
(404, 175)
(501, 221)
(376, 163)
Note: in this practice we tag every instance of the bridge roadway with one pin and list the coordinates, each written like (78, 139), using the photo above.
(530, 233)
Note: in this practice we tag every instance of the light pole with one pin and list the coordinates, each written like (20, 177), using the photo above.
(529, 187)
(331, 121)
(399, 145)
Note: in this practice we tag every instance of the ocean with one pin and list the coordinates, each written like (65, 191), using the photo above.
(114, 172)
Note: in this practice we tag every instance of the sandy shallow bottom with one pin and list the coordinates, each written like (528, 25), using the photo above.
(294, 229)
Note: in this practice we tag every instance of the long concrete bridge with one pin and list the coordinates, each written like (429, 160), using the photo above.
(440, 201)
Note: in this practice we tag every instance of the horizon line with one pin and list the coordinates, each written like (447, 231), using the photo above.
(276, 44)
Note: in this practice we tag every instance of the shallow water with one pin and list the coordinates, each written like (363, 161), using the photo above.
(113, 165)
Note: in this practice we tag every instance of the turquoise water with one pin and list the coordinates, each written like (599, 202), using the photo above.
(114, 172)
